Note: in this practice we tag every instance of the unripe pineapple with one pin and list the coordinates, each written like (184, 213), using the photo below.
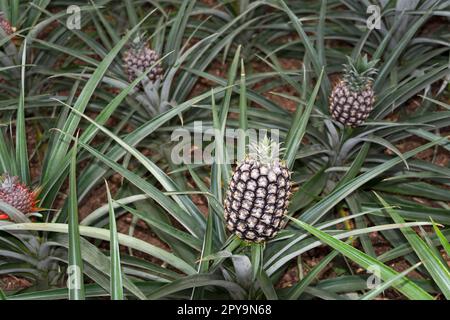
(6, 25)
(258, 195)
(139, 58)
(16, 195)
(352, 99)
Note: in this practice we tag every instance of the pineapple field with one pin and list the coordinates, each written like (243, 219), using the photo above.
(225, 150)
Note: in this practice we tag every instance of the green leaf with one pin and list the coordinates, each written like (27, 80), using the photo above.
(321, 33)
(395, 54)
(356, 165)
(386, 285)
(438, 271)
(243, 270)
(298, 129)
(314, 213)
(176, 233)
(387, 145)
(300, 286)
(132, 16)
(192, 224)
(257, 251)
(76, 289)
(231, 79)
(408, 288)
(199, 280)
(267, 286)
(21, 135)
(445, 244)
(207, 249)
(57, 154)
(175, 37)
(309, 191)
(309, 48)
(97, 265)
(243, 117)
(103, 234)
(116, 289)
(2, 295)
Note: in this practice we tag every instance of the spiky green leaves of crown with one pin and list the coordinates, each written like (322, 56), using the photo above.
(359, 72)
(138, 42)
(258, 194)
(266, 151)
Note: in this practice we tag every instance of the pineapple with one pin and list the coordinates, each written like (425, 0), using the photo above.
(352, 99)
(16, 195)
(6, 25)
(258, 195)
(138, 58)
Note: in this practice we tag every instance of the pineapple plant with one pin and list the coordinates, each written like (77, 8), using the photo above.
(139, 57)
(258, 194)
(17, 195)
(352, 98)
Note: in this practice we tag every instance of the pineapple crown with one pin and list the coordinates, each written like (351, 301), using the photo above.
(8, 182)
(266, 151)
(358, 72)
(138, 42)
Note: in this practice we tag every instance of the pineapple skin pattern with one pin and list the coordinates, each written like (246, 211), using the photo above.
(5, 25)
(138, 60)
(349, 107)
(257, 199)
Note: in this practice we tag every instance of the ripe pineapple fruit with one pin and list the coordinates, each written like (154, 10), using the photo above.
(6, 25)
(16, 195)
(258, 195)
(352, 99)
(138, 58)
